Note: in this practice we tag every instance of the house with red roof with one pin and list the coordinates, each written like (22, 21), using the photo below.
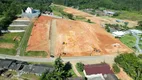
(99, 72)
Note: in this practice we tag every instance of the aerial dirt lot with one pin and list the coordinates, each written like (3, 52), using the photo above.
(39, 38)
(73, 38)
(98, 20)
(76, 38)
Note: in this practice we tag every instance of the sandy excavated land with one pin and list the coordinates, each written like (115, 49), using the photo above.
(39, 39)
(76, 38)
(98, 20)
(63, 37)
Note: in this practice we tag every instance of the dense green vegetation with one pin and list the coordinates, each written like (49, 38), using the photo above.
(10, 8)
(80, 68)
(110, 4)
(61, 72)
(131, 64)
(116, 68)
(10, 38)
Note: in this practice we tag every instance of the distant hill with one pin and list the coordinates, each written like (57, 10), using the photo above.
(111, 4)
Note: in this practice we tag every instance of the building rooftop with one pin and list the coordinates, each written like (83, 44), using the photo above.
(40, 69)
(5, 63)
(98, 69)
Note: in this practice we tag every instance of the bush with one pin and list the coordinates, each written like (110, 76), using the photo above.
(140, 56)
(89, 21)
(116, 68)
(80, 66)
(70, 16)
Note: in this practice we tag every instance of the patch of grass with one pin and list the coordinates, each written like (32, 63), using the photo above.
(7, 51)
(73, 73)
(80, 72)
(9, 38)
(23, 44)
(46, 63)
(128, 40)
(36, 54)
(80, 18)
(130, 15)
(30, 77)
(17, 28)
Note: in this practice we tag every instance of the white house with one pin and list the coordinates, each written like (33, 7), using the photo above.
(29, 10)
(118, 33)
(135, 31)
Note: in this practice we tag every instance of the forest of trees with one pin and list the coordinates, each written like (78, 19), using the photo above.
(110, 4)
(10, 8)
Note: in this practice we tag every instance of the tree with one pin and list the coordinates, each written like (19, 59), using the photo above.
(61, 72)
(70, 16)
(140, 23)
(116, 68)
(89, 21)
(80, 66)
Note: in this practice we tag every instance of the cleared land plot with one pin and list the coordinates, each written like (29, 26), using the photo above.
(77, 38)
(9, 43)
(74, 38)
(39, 38)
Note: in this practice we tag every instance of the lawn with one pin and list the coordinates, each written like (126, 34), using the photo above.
(36, 54)
(135, 16)
(29, 77)
(80, 72)
(10, 38)
(46, 63)
(73, 74)
(24, 42)
(128, 40)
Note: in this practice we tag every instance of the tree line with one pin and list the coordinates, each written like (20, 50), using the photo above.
(10, 8)
(110, 4)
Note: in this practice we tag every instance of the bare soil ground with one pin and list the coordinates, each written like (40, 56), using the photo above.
(39, 39)
(7, 45)
(74, 38)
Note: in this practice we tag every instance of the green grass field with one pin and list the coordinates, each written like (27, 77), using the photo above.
(36, 54)
(135, 16)
(128, 40)
(9, 38)
(25, 39)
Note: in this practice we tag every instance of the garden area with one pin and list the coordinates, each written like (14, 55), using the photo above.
(9, 42)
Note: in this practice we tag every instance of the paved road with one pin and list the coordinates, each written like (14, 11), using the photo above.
(89, 59)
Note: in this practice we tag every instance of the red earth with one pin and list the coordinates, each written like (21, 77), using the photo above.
(74, 38)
